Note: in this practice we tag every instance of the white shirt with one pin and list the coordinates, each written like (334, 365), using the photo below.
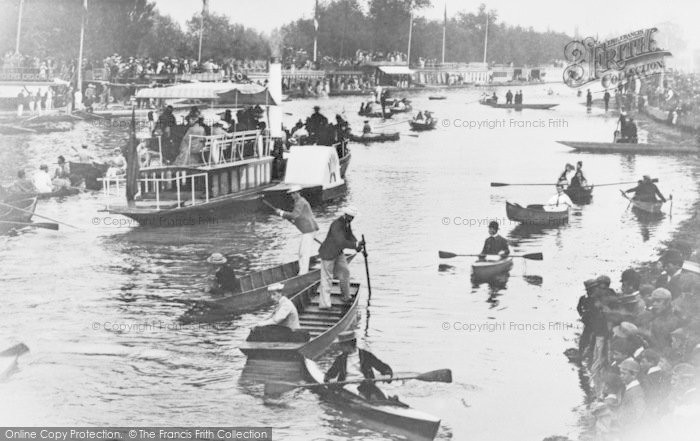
(558, 202)
(285, 314)
(42, 182)
(352, 368)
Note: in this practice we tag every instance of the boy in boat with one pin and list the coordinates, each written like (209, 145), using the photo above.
(357, 364)
(303, 219)
(333, 260)
(285, 314)
(366, 129)
(495, 244)
(225, 281)
(61, 178)
(646, 191)
(559, 202)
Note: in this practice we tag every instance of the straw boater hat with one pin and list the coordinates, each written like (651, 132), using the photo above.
(294, 189)
(217, 259)
(350, 211)
(346, 337)
(276, 287)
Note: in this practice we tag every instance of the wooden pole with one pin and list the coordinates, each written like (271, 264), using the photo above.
(79, 86)
(486, 36)
(19, 25)
(410, 31)
(201, 34)
(444, 31)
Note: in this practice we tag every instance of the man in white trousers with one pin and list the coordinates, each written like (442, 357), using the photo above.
(304, 220)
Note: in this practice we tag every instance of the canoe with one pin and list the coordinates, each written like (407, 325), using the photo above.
(580, 195)
(63, 192)
(647, 207)
(437, 97)
(619, 147)
(543, 106)
(388, 413)
(12, 214)
(89, 172)
(417, 126)
(405, 109)
(485, 270)
(323, 325)
(254, 293)
(536, 215)
(375, 137)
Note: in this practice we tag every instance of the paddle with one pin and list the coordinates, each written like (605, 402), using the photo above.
(364, 254)
(47, 225)
(449, 255)
(275, 208)
(280, 387)
(15, 351)
(37, 215)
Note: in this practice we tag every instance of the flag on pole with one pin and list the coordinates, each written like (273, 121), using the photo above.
(205, 7)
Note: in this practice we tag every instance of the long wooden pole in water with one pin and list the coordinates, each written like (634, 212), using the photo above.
(19, 25)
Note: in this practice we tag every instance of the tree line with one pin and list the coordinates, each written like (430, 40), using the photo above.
(51, 28)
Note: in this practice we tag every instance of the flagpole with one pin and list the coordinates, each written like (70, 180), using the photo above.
(444, 30)
(201, 33)
(410, 30)
(79, 87)
(486, 36)
(19, 25)
(315, 30)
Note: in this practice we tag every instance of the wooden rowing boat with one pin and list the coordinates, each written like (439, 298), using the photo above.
(322, 325)
(254, 292)
(21, 211)
(544, 106)
(375, 137)
(536, 215)
(580, 195)
(619, 147)
(418, 126)
(393, 414)
(646, 207)
(488, 269)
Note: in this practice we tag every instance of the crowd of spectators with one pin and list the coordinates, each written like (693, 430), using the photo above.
(47, 68)
(678, 94)
(640, 347)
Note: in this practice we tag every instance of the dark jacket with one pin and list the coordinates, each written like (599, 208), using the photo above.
(495, 244)
(646, 192)
(368, 362)
(227, 281)
(339, 237)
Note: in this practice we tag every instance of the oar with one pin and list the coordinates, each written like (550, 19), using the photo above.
(15, 351)
(504, 184)
(449, 255)
(279, 387)
(275, 208)
(364, 254)
(37, 215)
(47, 225)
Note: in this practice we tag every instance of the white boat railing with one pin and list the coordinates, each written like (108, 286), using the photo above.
(165, 180)
(230, 148)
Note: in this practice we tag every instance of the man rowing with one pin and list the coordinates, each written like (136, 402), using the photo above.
(285, 314)
(333, 260)
(646, 191)
(559, 202)
(225, 281)
(303, 219)
(357, 364)
(495, 244)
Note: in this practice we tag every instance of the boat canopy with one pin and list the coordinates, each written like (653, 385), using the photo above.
(241, 93)
(395, 70)
(313, 165)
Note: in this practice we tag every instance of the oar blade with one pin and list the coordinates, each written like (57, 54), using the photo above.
(438, 376)
(446, 255)
(15, 351)
(533, 256)
(46, 225)
(499, 184)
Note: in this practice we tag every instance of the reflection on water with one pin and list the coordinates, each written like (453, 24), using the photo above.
(99, 306)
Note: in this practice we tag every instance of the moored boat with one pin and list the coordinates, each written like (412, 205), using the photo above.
(16, 210)
(322, 325)
(393, 414)
(418, 126)
(580, 195)
(488, 269)
(375, 137)
(536, 215)
(534, 106)
(620, 147)
(254, 292)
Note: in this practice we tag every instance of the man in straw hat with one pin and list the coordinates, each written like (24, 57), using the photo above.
(333, 260)
(357, 364)
(303, 219)
(225, 280)
(285, 313)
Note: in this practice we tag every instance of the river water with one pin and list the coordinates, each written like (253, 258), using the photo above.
(98, 305)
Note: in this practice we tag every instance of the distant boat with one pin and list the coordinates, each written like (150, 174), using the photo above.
(619, 147)
(544, 106)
